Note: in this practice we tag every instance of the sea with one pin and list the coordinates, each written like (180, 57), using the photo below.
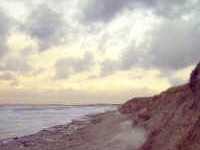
(20, 120)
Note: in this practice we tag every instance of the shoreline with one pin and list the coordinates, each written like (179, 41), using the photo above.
(30, 122)
(64, 105)
(76, 135)
(85, 119)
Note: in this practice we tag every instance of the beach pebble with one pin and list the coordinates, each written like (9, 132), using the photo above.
(6, 141)
(49, 140)
(15, 138)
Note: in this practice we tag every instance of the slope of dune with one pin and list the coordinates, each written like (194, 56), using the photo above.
(172, 118)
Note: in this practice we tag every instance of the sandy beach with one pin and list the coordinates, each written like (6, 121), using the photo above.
(102, 131)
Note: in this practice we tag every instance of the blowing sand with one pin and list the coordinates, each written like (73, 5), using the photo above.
(108, 131)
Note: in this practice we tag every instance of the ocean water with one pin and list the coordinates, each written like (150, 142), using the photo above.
(24, 120)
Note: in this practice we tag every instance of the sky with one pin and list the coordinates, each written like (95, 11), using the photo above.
(95, 51)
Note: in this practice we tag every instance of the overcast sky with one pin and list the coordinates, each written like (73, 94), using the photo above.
(95, 51)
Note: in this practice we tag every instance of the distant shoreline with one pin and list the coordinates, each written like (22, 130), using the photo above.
(84, 120)
(20, 120)
(75, 135)
(59, 105)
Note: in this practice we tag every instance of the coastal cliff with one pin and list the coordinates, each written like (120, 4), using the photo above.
(172, 118)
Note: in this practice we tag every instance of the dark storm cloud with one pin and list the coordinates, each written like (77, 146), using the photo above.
(175, 45)
(106, 10)
(46, 26)
(67, 66)
(5, 26)
(103, 10)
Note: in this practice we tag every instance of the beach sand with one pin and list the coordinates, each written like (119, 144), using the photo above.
(106, 131)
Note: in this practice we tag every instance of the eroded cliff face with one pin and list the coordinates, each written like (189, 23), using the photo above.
(171, 118)
(194, 82)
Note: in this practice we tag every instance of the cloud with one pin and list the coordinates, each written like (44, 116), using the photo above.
(46, 26)
(131, 57)
(125, 35)
(106, 10)
(5, 26)
(109, 66)
(177, 81)
(67, 66)
(64, 96)
(175, 45)
(7, 76)
(180, 76)
(103, 10)
(18, 63)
